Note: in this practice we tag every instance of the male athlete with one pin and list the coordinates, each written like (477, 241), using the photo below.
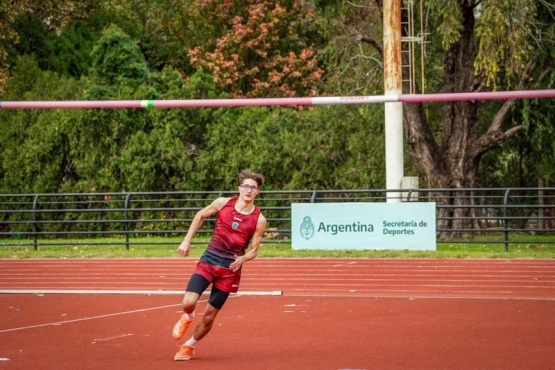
(238, 222)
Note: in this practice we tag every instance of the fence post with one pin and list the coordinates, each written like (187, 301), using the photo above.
(505, 220)
(35, 226)
(126, 220)
(313, 197)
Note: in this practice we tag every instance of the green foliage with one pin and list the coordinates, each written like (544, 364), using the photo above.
(103, 149)
(128, 49)
(66, 51)
(503, 38)
(528, 159)
(160, 27)
(537, 139)
(447, 15)
(326, 147)
(336, 148)
(73, 46)
(30, 17)
(35, 147)
(33, 36)
(352, 67)
(116, 57)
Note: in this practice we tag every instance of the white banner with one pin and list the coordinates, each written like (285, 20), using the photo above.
(373, 226)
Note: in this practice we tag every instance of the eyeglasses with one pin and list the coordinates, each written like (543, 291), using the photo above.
(247, 187)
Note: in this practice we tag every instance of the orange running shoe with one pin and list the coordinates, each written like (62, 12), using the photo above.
(181, 326)
(184, 354)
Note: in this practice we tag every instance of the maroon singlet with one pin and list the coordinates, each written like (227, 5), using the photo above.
(232, 234)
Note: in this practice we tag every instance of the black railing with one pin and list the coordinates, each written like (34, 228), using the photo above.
(46, 219)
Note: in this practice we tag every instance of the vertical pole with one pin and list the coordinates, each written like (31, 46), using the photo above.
(126, 219)
(505, 219)
(393, 86)
(35, 223)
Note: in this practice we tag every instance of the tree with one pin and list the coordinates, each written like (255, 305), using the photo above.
(263, 48)
(8, 13)
(160, 27)
(353, 55)
(258, 47)
(55, 15)
(485, 46)
(34, 144)
(138, 149)
(480, 46)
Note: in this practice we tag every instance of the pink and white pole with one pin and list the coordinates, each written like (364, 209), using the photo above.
(302, 101)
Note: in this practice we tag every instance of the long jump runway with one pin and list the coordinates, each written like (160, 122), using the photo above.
(289, 314)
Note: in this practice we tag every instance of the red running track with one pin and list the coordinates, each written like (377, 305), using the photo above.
(332, 314)
(405, 278)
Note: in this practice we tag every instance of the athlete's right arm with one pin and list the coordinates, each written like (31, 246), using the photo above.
(200, 216)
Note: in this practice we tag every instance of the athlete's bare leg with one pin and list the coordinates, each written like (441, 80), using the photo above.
(205, 325)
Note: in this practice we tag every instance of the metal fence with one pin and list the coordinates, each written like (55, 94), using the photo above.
(506, 216)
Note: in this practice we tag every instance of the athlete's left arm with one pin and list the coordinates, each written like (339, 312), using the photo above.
(255, 245)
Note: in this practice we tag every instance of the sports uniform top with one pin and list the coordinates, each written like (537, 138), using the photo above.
(232, 234)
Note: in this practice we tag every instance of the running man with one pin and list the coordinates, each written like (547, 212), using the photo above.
(238, 223)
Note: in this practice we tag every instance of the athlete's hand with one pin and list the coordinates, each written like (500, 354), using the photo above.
(184, 248)
(236, 265)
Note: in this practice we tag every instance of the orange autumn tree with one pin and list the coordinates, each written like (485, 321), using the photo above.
(258, 48)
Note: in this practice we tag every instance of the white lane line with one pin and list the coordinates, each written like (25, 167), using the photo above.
(57, 323)
(94, 341)
(118, 313)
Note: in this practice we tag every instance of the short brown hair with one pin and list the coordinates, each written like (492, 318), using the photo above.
(247, 174)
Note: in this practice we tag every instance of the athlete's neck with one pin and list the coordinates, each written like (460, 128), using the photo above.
(244, 207)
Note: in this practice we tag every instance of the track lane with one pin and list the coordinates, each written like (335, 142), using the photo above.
(410, 278)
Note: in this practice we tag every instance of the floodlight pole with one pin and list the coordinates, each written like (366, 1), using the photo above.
(393, 86)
